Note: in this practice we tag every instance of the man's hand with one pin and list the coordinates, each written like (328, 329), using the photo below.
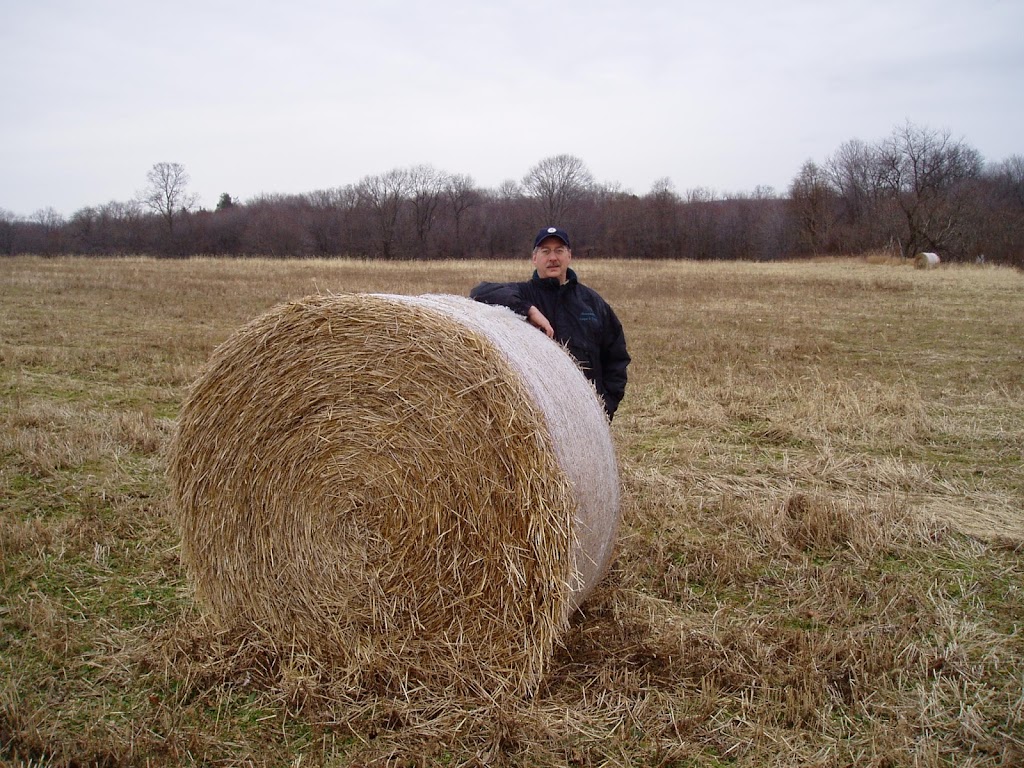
(537, 319)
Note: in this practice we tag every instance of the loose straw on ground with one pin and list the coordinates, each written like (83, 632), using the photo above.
(421, 489)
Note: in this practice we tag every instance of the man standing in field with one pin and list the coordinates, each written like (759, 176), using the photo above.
(569, 312)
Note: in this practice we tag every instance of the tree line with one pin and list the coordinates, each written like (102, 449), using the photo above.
(917, 189)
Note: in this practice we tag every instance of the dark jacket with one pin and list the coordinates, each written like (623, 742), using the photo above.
(582, 320)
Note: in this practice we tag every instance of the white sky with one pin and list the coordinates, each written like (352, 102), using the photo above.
(288, 97)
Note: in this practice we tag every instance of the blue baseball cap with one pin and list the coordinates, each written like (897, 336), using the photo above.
(547, 232)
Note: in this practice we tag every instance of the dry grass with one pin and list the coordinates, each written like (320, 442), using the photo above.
(820, 562)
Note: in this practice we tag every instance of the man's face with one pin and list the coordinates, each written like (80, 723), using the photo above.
(551, 259)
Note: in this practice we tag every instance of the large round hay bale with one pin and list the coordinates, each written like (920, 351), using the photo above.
(421, 488)
(926, 260)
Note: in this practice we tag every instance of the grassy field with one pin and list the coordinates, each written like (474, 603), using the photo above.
(820, 563)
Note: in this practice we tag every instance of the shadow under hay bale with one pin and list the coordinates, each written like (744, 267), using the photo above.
(422, 489)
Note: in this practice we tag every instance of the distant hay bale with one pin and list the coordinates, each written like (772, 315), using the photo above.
(926, 260)
(421, 488)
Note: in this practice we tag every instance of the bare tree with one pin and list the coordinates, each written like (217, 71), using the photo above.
(929, 177)
(7, 222)
(328, 216)
(277, 226)
(812, 203)
(853, 173)
(49, 228)
(700, 216)
(167, 194)
(701, 195)
(122, 225)
(558, 184)
(460, 195)
(663, 188)
(1001, 219)
(509, 225)
(863, 209)
(509, 189)
(656, 225)
(1009, 175)
(384, 195)
(48, 217)
(426, 188)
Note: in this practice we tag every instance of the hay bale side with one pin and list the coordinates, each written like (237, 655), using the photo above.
(575, 421)
(390, 481)
(926, 260)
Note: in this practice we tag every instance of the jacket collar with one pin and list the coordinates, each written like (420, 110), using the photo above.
(551, 283)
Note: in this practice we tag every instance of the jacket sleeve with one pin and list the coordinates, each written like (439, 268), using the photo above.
(614, 361)
(503, 294)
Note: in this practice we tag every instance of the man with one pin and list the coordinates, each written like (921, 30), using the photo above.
(556, 302)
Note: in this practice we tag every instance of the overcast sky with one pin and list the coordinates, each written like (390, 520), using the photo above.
(287, 97)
